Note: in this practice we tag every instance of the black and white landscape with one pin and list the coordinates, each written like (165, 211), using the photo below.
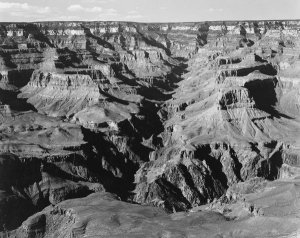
(124, 129)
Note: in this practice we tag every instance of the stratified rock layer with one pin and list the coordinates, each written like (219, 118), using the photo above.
(182, 116)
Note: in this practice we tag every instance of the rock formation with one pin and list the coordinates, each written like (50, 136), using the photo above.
(118, 129)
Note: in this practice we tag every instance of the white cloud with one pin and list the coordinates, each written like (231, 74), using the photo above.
(95, 1)
(138, 16)
(95, 9)
(74, 8)
(93, 13)
(111, 12)
(67, 18)
(77, 8)
(215, 9)
(43, 10)
(133, 12)
(13, 5)
(17, 9)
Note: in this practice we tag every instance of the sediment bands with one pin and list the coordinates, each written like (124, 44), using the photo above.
(115, 129)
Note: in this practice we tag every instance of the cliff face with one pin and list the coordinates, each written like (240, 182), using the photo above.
(172, 115)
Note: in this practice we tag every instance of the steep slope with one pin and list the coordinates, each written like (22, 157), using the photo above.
(224, 124)
(175, 115)
(79, 110)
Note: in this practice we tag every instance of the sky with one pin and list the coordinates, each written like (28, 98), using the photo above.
(147, 10)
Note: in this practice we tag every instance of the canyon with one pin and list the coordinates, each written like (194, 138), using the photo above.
(123, 129)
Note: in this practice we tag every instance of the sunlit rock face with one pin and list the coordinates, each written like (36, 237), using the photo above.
(107, 127)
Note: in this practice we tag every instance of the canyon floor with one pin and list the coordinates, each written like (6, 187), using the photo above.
(121, 129)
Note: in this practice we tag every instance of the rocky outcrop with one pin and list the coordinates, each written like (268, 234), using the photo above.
(77, 218)
(235, 98)
(229, 98)
(48, 92)
(192, 177)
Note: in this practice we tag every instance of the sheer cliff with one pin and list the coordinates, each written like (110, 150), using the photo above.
(108, 129)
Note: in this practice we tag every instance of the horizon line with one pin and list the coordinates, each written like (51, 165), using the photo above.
(150, 22)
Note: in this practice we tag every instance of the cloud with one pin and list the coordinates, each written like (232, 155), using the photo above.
(77, 8)
(43, 10)
(215, 9)
(67, 18)
(93, 13)
(137, 16)
(74, 8)
(132, 12)
(96, 1)
(17, 9)
(111, 12)
(9, 5)
(94, 9)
